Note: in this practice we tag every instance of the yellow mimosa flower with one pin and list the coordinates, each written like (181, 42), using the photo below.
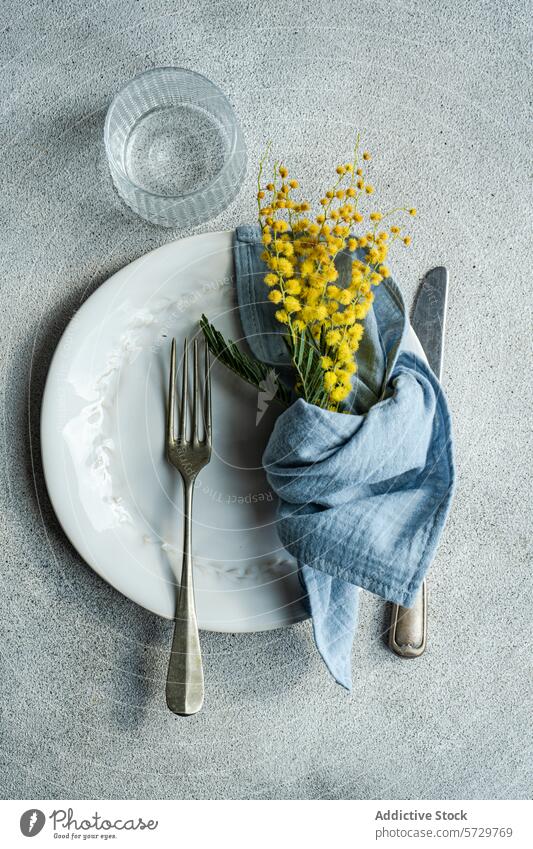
(339, 393)
(293, 286)
(303, 278)
(292, 304)
(333, 337)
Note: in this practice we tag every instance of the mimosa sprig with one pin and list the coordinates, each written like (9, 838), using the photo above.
(322, 318)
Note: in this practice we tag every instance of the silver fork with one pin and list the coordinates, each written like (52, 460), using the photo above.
(185, 678)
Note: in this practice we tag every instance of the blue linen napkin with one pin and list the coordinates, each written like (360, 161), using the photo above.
(363, 497)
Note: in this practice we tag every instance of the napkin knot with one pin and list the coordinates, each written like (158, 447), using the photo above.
(363, 497)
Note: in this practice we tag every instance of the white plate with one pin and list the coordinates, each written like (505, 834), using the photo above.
(102, 430)
(102, 424)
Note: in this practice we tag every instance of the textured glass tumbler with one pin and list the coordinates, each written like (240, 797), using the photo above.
(174, 146)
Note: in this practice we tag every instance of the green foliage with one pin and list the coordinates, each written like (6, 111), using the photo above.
(250, 369)
(306, 358)
(304, 352)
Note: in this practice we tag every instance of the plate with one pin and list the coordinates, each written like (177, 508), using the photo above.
(102, 429)
(102, 434)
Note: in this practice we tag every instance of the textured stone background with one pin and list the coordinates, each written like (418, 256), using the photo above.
(439, 91)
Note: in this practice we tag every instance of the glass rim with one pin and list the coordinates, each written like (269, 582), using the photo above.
(235, 132)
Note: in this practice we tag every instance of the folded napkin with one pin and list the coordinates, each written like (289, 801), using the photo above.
(362, 498)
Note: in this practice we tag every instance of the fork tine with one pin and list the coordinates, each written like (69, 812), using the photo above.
(207, 399)
(195, 392)
(182, 433)
(171, 403)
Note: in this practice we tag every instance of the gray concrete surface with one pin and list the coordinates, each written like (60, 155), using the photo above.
(438, 90)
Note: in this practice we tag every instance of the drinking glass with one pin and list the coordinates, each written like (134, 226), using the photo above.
(174, 146)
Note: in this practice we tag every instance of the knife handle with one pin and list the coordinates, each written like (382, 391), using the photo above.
(408, 627)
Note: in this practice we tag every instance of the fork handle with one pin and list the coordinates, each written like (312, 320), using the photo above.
(185, 677)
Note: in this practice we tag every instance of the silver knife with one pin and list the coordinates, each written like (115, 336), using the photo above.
(408, 627)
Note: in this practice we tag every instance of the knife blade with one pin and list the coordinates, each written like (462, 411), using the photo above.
(429, 316)
(408, 626)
